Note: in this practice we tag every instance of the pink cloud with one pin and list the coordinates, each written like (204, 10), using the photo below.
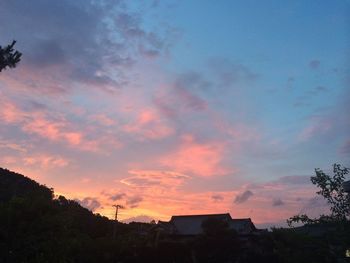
(53, 130)
(56, 129)
(74, 138)
(149, 125)
(147, 116)
(202, 159)
(9, 113)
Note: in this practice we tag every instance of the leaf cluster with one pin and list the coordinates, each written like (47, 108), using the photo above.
(9, 57)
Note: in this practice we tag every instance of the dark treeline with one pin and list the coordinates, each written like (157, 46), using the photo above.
(35, 226)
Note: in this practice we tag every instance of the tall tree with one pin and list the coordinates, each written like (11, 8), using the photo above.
(9, 57)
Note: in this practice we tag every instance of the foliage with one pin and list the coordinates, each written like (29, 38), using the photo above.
(332, 190)
(292, 245)
(9, 57)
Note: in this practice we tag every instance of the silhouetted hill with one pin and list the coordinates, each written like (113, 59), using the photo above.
(16, 185)
(36, 227)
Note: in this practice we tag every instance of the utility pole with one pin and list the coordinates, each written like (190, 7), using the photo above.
(116, 219)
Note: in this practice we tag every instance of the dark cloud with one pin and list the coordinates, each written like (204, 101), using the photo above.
(90, 203)
(117, 197)
(46, 53)
(314, 64)
(134, 201)
(277, 202)
(243, 197)
(217, 197)
(82, 39)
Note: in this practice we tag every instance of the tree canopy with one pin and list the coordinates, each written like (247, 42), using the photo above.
(9, 57)
(330, 188)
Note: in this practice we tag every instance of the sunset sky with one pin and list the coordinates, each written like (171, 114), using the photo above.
(178, 107)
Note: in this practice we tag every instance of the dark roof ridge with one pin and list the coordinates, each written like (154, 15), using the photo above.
(223, 214)
(247, 218)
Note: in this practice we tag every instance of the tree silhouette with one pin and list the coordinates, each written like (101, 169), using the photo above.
(331, 188)
(9, 57)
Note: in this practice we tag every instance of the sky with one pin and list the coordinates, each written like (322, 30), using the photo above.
(178, 107)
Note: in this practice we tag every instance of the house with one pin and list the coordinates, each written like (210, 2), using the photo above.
(191, 225)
